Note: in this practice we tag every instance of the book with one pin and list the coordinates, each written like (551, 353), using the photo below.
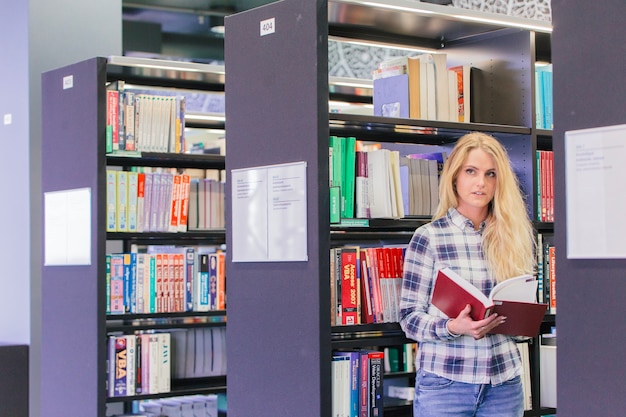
(350, 286)
(372, 370)
(121, 209)
(111, 201)
(461, 93)
(391, 96)
(353, 382)
(348, 174)
(513, 298)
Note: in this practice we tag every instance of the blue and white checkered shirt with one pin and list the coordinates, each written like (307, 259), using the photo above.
(451, 241)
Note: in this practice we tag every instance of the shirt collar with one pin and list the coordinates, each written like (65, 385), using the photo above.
(463, 222)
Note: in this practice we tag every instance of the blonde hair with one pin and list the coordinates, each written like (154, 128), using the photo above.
(508, 237)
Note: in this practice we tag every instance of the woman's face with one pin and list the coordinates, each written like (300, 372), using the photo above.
(476, 185)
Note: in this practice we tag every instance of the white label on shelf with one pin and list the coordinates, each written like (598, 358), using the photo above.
(68, 82)
(595, 162)
(271, 201)
(268, 26)
(8, 119)
(67, 227)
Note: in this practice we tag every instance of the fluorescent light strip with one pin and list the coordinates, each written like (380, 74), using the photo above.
(529, 26)
(166, 65)
(381, 45)
(205, 117)
(472, 18)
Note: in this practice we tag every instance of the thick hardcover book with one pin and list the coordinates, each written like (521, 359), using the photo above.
(350, 286)
(513, 298)
(371, 377)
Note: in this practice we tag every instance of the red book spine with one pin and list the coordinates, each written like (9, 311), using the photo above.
(349, 286)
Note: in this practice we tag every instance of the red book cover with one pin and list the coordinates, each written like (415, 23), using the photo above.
(184, 203)
(350, 286)
(452, 293)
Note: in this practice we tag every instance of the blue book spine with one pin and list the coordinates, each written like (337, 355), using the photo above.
(190, 255)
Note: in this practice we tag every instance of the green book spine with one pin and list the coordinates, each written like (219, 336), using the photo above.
(349, 176)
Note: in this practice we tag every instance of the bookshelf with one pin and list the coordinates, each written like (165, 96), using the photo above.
(279, 314)
(74, 321)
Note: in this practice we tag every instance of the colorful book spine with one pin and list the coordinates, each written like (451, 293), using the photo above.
(133, 184)
(190, 256)
(117, 284)
(111, 201)
(122, 201)
(112, 138)
(141, 201)
(350, 303)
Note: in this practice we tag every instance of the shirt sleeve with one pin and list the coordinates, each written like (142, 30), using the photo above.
(417, 283)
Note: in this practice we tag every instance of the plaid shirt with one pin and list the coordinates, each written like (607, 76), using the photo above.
(451, 241)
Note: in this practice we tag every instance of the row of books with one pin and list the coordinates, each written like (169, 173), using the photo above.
(422, 87)
(380, 183)
(165, 280)
(139, 364)
(400, 358)
(546, 272)
(365, 284)
(357, 383)
(144, 122)
(545, 186)
(198, 352)
(163, 201)
(183, 406)
(543, 97)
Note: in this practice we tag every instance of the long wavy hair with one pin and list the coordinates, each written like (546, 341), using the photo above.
(508, 237)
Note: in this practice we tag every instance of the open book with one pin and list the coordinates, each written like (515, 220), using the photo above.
(514, 298)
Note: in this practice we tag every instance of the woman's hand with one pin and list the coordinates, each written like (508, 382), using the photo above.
(464, 324)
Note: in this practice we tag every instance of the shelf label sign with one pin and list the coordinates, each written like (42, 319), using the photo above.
(268, 26)
(269, 211)
(595, 168)
(68, 82)
(67, 227)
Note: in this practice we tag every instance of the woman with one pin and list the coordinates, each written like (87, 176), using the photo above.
(482, 231)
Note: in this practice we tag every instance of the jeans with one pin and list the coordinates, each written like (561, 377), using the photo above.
(436, 396)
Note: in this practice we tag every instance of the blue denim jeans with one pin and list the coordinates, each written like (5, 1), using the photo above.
(440, 397)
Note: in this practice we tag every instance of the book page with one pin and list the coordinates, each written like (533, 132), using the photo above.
(522, 288)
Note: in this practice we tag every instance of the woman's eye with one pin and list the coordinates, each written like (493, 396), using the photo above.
(491, 174)
(469, 171)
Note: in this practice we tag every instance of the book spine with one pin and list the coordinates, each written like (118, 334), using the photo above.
(221, 281)
(376, 360)
(190, 255)
(201, 289)
(117, 284)
(141, 201)
(140, 281)
(121, 367)
(213, 281)
(174, 203)
(112, 139)
(349, 286)
(361, 187)
(552, 255)
(107, 263)
(129, 120)
(122, 201)
(184, 203)
(133, 180)
(111, 201)
(164, 362)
